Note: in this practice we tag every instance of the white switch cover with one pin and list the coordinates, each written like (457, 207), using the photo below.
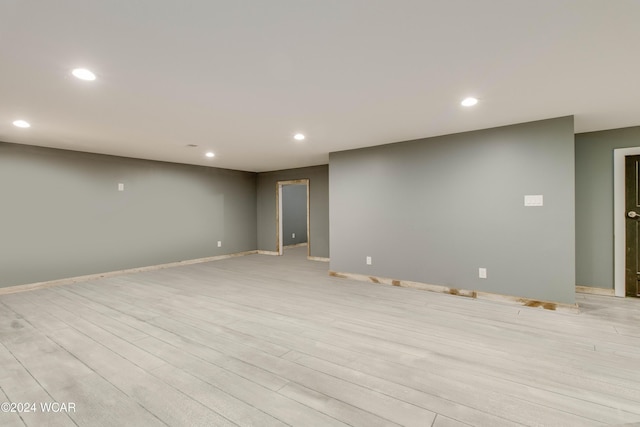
(120, 187)
(533, 200)
(219, 243)
(368, 260)
(293, 235)
(482, 273)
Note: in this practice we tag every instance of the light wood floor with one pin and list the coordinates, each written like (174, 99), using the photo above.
(266, 341)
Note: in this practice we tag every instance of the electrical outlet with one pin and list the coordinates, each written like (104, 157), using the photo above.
(368, 260)
(534, 200)
(219, 243)
(482, 273)
(120, 186)
(293, 235)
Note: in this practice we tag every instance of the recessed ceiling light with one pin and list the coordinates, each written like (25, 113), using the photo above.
(298, 137)
(469, 102)
(210, 154)
(21, 124)
(83, 74)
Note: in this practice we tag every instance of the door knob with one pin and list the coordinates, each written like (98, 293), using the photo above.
(633, 214)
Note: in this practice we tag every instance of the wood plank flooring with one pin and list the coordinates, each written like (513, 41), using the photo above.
(274, 341)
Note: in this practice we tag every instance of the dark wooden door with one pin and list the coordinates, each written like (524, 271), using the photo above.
(632, 197)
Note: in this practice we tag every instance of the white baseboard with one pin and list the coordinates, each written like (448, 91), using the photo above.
(89, 277)
(310, 258)
(272, 253)
(527, 302)
(595, 291)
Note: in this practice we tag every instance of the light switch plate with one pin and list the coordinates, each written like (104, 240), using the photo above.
(120, 186)
(533, 200)
(219, 243)
(482, 273)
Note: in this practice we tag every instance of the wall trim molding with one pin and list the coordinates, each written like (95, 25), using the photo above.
(89, 277)
(595, 291)
(526, 302)
(309, 257)
(271, 253)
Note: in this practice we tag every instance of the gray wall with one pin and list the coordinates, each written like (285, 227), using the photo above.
(62, 216)
(294, 214)
(318, 211)
(594, 203)
(437, 209)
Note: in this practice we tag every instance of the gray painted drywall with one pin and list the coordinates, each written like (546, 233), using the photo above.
(62, 214)
(318, 210)
(294, 214)
(435, 210)
(594, 203)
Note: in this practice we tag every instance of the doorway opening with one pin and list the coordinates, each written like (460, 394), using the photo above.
(292, 216)
(632, 226)
(621, 219)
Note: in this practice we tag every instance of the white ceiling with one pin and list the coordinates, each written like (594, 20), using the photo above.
(240, 78)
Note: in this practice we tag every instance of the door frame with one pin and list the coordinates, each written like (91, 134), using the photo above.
(619, 218)
(279, 229)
